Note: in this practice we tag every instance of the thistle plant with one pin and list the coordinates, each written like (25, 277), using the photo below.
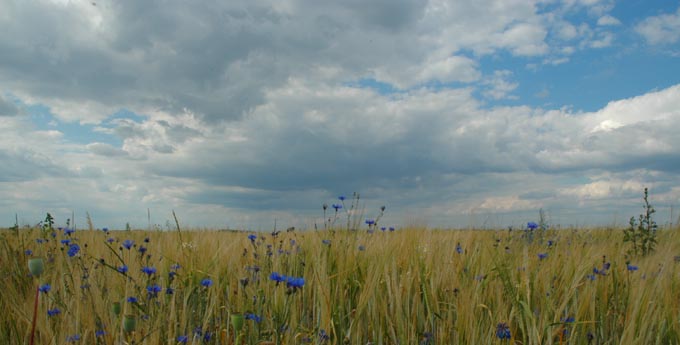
(641, 233)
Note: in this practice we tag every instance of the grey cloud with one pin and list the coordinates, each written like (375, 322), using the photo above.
(306, 156)
(256, 199)
(89, 172)
(391, 15)
(348, 151)
(107, 150)
(163, 148)
(26, 165)
(179, 133)
(127, 129)
(180, 65)
(7, 108)
(218, 59)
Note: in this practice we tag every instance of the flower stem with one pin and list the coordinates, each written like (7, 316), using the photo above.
(35, 314)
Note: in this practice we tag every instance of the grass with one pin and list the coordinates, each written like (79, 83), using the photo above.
(410, 286)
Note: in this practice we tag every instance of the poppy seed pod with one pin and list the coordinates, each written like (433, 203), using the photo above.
(129, 323)
(115, 308)
(36, 266)
(237, 322)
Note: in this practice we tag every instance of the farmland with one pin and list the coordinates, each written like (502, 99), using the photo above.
(337, 286)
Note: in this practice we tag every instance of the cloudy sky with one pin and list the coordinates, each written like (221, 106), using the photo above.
(241, 113)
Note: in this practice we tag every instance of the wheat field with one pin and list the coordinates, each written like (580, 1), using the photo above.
(409, 286)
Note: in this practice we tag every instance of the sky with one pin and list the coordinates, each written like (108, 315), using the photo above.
(245, 114)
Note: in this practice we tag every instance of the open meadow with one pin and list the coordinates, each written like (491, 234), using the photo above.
(407, 286)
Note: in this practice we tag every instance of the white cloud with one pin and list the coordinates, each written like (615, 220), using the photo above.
(607, 187)
(445, 70)
(507, 204)
(525, 39)
(661, 29)
(566, 31)
(423, 143)
(500, 86)
(608, 20)
(603, 40)
(651, 107)
(246, 109)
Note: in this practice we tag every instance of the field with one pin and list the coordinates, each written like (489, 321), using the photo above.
(408, 286)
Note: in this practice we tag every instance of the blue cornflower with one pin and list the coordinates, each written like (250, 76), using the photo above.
(171, 275)
(252, 237)
(149, 270)
(142, 250)
(382, 228)
(45, 288)
(569, 319)
(132, 299)
(337, 207)
(550, 243)
(127, 244)
(68, 231)
(175, 267)
(326, 242)
(73, 338)
(146, 240)
(123, 269)
(110, 240)
(341, 198)
(591, 277)
(295, 283)
(370, 222)
(631, 267)
(99, 333)
(532, 226)
(169, 291)
(323, 336)
(459, 249)
(28, 252)
(153, 290)
(391, 228)
(361, 248)
(39, 240)
(503, 331)
(542, 256)
(207, 336)
(53, 312)
(182, 339)
(427, 338)
(66, 241)
(73, 249)
(275, 276)
(105, 229)
(207, 282)
(256, 318)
